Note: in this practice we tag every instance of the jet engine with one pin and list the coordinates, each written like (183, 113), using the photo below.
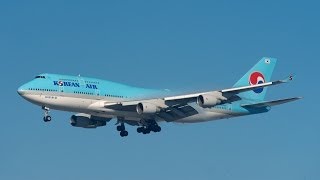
(146, 108)
(210, 100)
(86, 121)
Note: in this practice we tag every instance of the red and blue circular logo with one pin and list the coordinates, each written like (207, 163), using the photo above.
(257, 78)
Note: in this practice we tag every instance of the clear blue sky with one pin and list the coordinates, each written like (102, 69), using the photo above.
(188, 45)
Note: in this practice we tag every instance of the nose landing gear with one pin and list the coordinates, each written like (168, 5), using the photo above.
(46, 117)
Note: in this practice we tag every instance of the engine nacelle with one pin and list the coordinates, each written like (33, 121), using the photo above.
(86, 121)
(210, 100)
(146, 108)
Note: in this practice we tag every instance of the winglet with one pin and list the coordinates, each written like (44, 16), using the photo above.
(288, 79)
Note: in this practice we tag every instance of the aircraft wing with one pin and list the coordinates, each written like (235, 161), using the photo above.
(232, 91)
(176, 107)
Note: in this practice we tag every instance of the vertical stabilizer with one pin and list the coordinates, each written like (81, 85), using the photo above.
(258, 74)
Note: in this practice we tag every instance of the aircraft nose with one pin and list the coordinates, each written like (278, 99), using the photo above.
(21, 90)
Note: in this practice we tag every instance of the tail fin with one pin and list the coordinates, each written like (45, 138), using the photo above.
(259, 73)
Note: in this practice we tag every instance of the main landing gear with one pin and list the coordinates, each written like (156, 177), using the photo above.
(122, 129)
(149, 126)
(46, 117)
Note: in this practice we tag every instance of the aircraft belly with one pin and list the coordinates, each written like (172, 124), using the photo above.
(75, 104)
(94, 107)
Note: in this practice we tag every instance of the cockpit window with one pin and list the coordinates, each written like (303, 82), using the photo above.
(42, 77)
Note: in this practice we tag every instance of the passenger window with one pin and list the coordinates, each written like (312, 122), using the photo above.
(42, 77)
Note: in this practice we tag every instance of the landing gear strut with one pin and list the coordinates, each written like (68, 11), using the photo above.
(122, 129)
(46, 117)
(148, 126)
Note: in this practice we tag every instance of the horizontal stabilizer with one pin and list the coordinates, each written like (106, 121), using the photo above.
(270, 103)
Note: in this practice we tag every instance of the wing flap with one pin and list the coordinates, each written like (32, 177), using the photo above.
(174, 113)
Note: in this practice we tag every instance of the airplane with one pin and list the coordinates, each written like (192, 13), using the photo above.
(95, 102)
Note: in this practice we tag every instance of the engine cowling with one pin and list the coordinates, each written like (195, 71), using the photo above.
(146, 108)
(210, 100)
(86, 121)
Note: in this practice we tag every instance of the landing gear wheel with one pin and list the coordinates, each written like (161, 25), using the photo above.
(121, 127)
(47, 118)
(146, 131)
(140, 129)
(124, 133)
(157, 129)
